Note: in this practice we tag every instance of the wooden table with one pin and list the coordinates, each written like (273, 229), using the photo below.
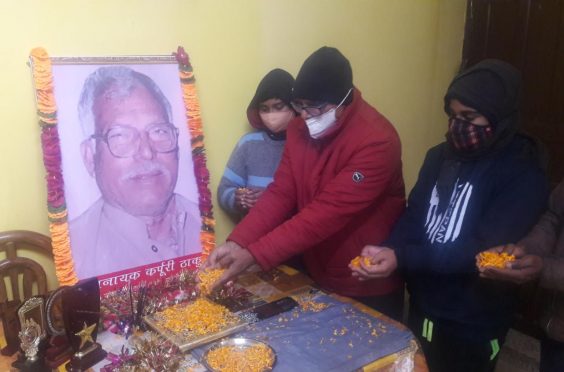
(297, 279)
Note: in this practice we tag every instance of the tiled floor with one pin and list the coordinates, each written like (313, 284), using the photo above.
(520, 353)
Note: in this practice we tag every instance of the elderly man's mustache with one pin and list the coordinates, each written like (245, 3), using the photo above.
(147, 169)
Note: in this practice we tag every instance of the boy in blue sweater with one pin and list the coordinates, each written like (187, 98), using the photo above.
(256, 157)
(481, 188)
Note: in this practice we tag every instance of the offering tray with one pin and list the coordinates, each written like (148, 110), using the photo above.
(186, 339)
(241, 343)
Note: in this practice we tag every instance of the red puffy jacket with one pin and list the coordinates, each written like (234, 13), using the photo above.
(330, 197)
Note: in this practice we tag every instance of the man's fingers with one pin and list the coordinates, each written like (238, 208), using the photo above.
(371, 250)
(366, 250)
(223, 280)
(363, 274)
(378, 270)
(225, 261)
(492, 271)
(519, 252)
(380, 255)
(507, 248)
(381, 269)
(211, 261)
(512, 249)
(515, 276)
(207, 263)
(496, 274)
(359, 270)
(521, 264)
(252, 199)
(364, 266)
(528, 262)
(220, 257)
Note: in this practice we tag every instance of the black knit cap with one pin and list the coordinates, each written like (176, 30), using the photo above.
(276, 84)
(325, 76)
(492, 87)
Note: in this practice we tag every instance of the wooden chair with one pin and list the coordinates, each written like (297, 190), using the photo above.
(22, 276)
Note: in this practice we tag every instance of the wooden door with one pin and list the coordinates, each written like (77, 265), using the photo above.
(529, 34)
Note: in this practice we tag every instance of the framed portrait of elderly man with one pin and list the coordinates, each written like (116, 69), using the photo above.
(127, 184)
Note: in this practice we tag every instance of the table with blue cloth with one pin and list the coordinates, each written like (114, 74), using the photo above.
(325, 333)
(333, 334)
(338, 338)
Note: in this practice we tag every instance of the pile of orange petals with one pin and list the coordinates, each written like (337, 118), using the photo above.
(201, 317)
(256, 358)
(207, 279)
(493, 259)
(356, 261)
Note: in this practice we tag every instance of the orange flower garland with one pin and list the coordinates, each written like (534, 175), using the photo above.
(194, 119)
(56, 207)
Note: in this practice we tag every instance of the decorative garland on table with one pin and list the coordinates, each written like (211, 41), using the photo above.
(150, 353)
(56, 205)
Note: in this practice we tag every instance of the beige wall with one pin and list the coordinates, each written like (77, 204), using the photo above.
(403, 53)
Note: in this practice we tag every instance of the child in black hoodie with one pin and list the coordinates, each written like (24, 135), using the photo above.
(481, 188)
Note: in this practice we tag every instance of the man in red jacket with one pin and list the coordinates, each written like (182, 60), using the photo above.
(339, 187)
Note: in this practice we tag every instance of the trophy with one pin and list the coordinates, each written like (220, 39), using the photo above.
(32, 336)
(81, 313)
(59, 350)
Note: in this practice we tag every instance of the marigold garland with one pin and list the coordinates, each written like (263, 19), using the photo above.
(194, 121)
(57, 211)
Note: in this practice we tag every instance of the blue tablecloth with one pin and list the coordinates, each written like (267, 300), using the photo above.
(338, 338)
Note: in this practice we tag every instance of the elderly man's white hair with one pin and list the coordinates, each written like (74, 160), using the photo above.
(122, 81)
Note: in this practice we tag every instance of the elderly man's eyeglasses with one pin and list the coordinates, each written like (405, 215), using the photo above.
(123, 141)
(311, 110)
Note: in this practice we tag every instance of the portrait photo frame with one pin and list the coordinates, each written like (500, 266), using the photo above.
(74, 189)
(34, 308)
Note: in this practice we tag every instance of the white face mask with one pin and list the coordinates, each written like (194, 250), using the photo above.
(318, 125)
(277, 121)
